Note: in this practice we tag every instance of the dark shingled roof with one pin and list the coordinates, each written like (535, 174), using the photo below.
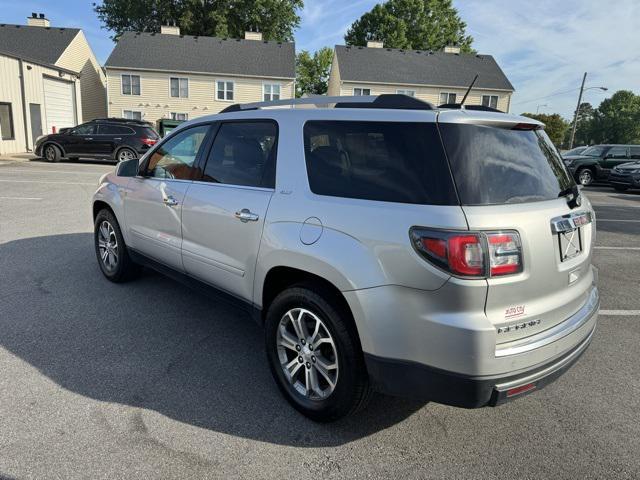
(40, 44)
(389, 65)
(184, 53)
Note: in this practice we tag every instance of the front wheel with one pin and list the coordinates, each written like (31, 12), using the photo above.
(111, 250)
(52, 153)
(585, 176)
(314, 354)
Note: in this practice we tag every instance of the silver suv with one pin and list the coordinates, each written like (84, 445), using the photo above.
(384, 244)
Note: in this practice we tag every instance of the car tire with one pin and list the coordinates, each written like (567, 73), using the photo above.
(125, 154)
(620, 188)
(330, 353)
(111, 250)
(51, 153)
(585, 177)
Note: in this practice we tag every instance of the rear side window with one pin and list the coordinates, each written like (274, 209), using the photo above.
(496, 166)
(114, 130)
(149, 133)
(386, 161)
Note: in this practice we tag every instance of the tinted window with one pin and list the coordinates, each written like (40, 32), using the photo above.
(243, 153)
(392, 162)
(114, 130)
(86, 129)
(634, 153)
(617, 152)
(496, 166)
(175, 158)
(149, 132)
(594, 151)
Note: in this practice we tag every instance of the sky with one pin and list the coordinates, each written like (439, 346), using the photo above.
(543, 46)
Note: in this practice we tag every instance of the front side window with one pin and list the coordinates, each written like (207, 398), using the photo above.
(130, 84)
(411, 93)
(271, 92)
(447, 97)
(243, 153)
(490, 101)
(176, 157)
(224, 90)
(387, 161)
(6, 121)
(618, 153)
(179, 87)
(361, 91)
(86, 129)
(182, 117)
(132, 114)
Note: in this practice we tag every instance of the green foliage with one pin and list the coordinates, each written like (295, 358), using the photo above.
(411, 24)
(276, 19)
(312, 71)
(555, 126)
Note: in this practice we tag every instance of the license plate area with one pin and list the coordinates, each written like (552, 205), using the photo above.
(570, 244)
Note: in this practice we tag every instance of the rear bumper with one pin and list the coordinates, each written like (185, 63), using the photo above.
(414, 380)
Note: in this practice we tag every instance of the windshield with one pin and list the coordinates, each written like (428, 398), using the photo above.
(497, 166)
(594, 151)
(575, 151)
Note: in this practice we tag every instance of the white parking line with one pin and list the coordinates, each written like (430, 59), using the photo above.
(615, 220)
(34, 170)
(95, 184)
(20, 198)
(620, 313)
(617, 248)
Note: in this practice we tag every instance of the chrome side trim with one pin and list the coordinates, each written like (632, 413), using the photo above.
(534, 377)
(554, 333)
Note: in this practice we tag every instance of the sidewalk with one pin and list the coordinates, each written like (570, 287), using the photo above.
(16, 157)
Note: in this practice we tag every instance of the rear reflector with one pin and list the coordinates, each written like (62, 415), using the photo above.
(512, 392)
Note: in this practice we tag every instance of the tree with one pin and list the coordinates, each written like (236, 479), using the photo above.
(618, 118)
(411, 24)
(276, 19)
(312, 72)
(555, 126)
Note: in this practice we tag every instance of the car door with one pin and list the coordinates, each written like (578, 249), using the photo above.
(614, 157)
(224, 210)
(109, 137)
(79, 140)
(153, 201)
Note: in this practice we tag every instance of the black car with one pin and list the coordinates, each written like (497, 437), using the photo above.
(625, 176)
(115, 139)
(596, 162)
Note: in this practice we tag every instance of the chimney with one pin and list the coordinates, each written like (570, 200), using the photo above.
(374, 44)
(38, 20)
(452, 49)
(253, 36)
(172, 29)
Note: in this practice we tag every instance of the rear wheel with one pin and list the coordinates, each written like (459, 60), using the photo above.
(314, 354)
(111, 250)
(585, 176)
(52, 153)
(125, 154)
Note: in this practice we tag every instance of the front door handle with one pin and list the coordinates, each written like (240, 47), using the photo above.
(245, 215)
(88, 138)
(170, 201)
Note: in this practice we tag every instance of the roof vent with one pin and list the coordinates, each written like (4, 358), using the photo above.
(253, 35)
(452, 49)
(170, 29)
(38, 20)
(374, 44)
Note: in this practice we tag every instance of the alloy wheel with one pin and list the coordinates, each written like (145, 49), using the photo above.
(585, 177)
(125, 155)
(50, 153)
(108, 246)
(308, 354)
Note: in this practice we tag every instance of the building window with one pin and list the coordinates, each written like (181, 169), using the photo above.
(132, 114)
(179, 87)
(6, 122)
(224, 90)
(130, 84)
(411, 93)
(490, 101)
(270, 91)
(182, 117)
(447, 97)
(361, 91)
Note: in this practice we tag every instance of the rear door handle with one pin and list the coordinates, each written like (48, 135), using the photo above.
(118, 138)
(245, 215)
(169, 201)
(88, 138)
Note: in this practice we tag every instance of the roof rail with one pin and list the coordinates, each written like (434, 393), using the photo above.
(386, 101)
(457, 106)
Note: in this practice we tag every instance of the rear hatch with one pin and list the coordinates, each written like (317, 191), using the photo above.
(510, 178)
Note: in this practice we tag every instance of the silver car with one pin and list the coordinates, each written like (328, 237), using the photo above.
(384, 244)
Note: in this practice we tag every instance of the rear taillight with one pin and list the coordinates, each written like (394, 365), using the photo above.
(148, 141)
(470, 254)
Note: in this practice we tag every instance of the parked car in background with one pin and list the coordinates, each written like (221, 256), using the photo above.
(574, 151)
(115, 139)
(386, 244)
(625, 176)
(596, 162)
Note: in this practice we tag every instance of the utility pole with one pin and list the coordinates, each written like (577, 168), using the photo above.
(575, 117)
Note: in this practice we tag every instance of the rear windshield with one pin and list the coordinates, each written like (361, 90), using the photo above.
(387, 161)
(496, 166)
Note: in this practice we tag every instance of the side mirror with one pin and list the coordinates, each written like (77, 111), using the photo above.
(128, 168)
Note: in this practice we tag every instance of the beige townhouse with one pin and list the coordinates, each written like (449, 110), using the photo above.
(49, 79)
(152, 76)
(436, 77)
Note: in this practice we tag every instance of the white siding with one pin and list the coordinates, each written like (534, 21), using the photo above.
(59, 104)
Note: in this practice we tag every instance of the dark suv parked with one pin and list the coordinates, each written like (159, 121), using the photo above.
(596, 162)
(115, 139)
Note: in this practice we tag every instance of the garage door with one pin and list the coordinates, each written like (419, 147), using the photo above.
(59, 104)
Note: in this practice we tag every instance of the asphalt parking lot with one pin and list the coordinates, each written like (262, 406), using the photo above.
(152, 380)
